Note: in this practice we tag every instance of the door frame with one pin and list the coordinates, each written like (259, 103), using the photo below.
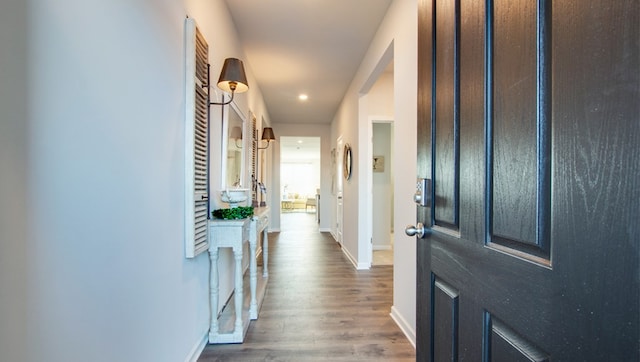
(339, 200)
(366, 119)
(369, 177)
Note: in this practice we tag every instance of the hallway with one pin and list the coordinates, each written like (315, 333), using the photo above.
(317, 306)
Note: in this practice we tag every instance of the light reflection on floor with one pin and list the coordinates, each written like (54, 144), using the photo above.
(293, 221)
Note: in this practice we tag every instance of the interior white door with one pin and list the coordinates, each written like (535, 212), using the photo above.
(339, 185)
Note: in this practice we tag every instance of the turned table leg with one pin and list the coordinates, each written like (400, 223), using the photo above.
(213, 291)
(238, 293)
(253, 278)
(265, 253)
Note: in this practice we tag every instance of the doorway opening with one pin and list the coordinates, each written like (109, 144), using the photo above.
(299, 177)
(377, 109)
(382, 194)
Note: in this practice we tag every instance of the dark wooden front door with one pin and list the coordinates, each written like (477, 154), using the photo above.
(529, 129)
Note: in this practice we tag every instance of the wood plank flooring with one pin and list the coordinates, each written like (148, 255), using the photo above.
(317, 306)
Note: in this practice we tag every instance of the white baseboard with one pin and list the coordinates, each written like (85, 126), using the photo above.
(325, 230)
(350, 257)
(333, 234)
(404, 326)
(358, 266)
(382, 247)
(196, 351)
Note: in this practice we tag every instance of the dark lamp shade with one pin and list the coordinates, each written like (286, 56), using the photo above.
(267, 134)
(232, 75)
(236, 133)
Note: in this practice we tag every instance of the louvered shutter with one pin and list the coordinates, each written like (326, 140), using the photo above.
(196, 141)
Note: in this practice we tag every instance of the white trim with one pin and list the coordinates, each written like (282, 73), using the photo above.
(189, 200)
(197, 349)
(326, 230)
(380, 120)
(365, 183)
(404, 326)
(357, 265)
(350, 257)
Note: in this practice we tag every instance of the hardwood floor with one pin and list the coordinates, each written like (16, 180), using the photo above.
(317, 306)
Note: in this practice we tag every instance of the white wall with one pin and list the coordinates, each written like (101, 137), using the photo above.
(92, 259)
(109, 277)
(399, 29)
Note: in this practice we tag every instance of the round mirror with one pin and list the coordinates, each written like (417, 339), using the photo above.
(347, 160)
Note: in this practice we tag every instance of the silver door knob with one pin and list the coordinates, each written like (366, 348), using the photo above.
(417, 230)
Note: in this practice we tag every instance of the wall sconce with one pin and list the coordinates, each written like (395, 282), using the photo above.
(236, 135)
(267, 135)
(232, 79)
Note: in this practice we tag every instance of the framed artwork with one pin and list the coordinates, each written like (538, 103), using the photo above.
(378, 163)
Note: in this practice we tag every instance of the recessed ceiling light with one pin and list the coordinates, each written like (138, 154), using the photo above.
(303, 97)
(299, 141)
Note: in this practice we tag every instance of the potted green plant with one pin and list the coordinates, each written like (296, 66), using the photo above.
(234, 213)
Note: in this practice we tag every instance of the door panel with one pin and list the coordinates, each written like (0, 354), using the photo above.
(446, 120)
(512, 63)
(446, 315)
(518, 123)
(529, 125)
(506, 345)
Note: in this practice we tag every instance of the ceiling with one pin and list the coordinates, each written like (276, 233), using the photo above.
(311, 47)
(299, 149)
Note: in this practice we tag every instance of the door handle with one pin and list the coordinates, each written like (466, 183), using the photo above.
(419, 230)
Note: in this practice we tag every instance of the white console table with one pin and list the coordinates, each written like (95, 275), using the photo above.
(234, 234)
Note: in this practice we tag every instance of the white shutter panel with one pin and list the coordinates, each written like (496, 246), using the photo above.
(196, 145)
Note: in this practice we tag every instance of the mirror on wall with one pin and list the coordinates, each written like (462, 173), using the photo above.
(235, 145)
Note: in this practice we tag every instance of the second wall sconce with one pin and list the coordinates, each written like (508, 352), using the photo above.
(267, 135)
